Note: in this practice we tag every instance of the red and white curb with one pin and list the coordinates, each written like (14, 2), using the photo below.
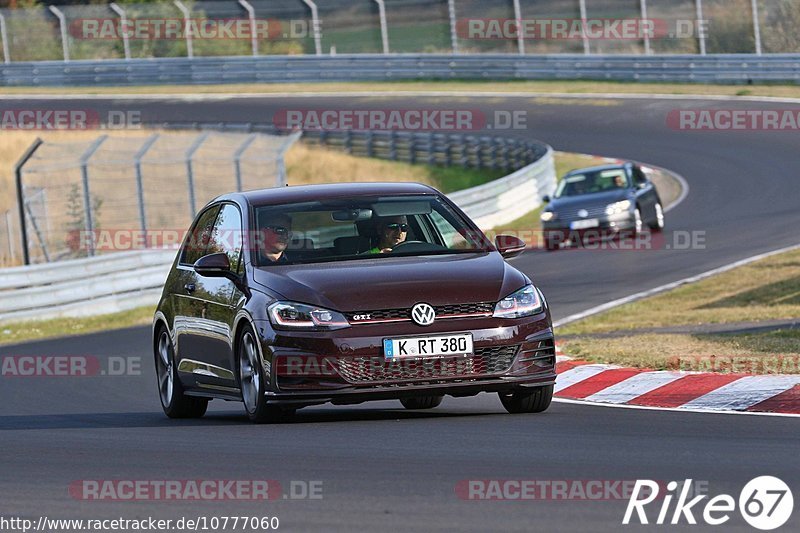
(690, 391)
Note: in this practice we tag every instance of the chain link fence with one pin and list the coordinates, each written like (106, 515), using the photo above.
(108, 193)
(264, 27)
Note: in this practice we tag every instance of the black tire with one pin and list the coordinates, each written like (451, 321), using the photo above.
(174, 401)
(421, 402)
(551, 242)
(524, 401)
(657, 224)
(253, 382)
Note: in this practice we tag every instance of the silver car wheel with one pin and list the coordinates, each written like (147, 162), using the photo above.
(248, 372)
(164, 370)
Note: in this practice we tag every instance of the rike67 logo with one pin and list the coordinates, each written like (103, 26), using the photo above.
(765, 503)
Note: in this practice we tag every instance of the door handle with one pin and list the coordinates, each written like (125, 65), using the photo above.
(189, 287)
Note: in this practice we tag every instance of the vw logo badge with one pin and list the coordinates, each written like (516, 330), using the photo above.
(423, 314)
(583, 213)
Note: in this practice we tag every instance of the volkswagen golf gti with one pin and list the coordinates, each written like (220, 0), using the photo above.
(296, 296)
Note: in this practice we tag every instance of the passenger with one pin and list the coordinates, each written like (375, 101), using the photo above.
(275, 235)
(620, 181)
(391, 232)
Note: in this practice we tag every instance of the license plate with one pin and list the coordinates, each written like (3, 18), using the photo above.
(460, 344)
(585, 224)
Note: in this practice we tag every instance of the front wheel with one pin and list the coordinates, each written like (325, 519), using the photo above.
(658, 222)
(253, 383)
(422, 402)
(524, 401)
(174, 401)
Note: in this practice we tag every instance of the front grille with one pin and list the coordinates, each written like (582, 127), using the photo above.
(572, 213)
(485, 361)
(442, 311)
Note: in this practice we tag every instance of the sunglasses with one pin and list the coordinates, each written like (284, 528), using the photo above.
(279, 230)
(395, 227)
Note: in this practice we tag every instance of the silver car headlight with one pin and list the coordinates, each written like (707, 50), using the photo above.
(618, 208)
(292, 315)
(525, 302)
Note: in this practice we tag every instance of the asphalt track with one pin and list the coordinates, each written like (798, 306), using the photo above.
(383, 468)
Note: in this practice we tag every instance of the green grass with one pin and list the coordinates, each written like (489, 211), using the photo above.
(14, 332)
(763, 290)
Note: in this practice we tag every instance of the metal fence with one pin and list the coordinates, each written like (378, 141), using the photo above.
(75, 196)
(264, 27)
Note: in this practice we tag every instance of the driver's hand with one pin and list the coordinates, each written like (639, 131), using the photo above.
(386, 250)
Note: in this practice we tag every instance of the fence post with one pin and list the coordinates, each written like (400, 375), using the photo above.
(756, 26)
(370, 143)
(186, 18)
(62, 22)
(384, 27)
(10, 236)
(520, 36)
(647, 50)
(393, 145)
(451, 10)
(4, 38)
(87, 197)
(290, 140)
(123, 19)
(251, 14)
(190, 172)
(701, 30)
(584, 35)
(315, 26)
(137, 158)
(237, 159)
(21, 197)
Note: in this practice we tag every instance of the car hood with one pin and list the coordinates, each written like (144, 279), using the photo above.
(395, 282)
(589, 200)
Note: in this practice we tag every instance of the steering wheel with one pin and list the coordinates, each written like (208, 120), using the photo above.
(405, 243)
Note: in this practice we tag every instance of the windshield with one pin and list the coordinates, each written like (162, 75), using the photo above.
(361, 228)
(592, 182)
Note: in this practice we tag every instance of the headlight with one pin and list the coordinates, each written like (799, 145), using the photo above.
(525, 302)
(291, 315)
(547, 216)
(618, 208)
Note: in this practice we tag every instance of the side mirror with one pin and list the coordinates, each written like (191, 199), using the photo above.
(214, 266)
(546, 198)
(509, 246)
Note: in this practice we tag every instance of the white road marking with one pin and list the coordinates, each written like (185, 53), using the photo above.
(674, 409)
(743, 393)
(577, 374)
(633, 387)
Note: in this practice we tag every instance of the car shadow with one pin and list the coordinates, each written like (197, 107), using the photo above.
(219, 418)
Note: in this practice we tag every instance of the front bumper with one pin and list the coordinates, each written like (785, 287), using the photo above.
(608, 226)
(348, 366)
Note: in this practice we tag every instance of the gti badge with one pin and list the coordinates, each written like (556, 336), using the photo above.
(423, 314)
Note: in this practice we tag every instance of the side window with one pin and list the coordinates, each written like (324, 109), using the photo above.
(227, 236)
(452, 238)
(197, 241)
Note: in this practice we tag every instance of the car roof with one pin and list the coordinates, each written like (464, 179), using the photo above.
(307, 193)
(600, 168)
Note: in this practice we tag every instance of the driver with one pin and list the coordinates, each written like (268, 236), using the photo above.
(391, 232)
(620, 181)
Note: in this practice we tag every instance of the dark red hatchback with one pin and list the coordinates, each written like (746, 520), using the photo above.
(296, 296)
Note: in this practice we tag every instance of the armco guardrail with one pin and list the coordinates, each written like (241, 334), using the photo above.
(83, 287)
(733, 68)
(124, 280)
